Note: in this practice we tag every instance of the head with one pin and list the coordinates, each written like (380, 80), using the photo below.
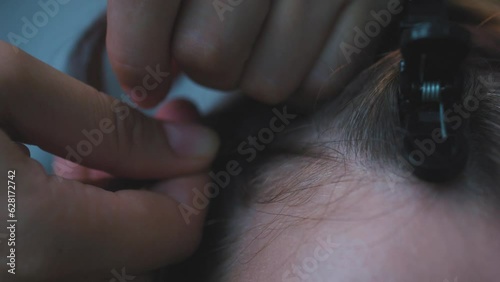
(331, 198)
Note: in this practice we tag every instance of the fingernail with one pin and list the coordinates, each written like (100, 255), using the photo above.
(192, 141)
(183, 189)
(180, 194)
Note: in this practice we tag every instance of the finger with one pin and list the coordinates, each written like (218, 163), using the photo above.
(291, 41)
(70, 119)
(214, 39)
(24, 149)
(136, 229)
(178, 110)
(351, 47)
(138, 42)
(70, 170)
(144, 229)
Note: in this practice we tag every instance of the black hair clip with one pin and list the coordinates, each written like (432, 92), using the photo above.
(433, 50)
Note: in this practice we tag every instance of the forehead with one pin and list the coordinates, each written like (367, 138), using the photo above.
(370, 235)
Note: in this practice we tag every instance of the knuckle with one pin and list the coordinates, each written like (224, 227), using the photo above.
(122, 138)
(10, 63)
(131, 133)
(207, 61)
(265, 90)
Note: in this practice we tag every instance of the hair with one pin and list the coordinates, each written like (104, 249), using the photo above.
(354, 137)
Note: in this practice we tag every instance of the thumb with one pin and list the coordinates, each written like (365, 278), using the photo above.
(71, 119)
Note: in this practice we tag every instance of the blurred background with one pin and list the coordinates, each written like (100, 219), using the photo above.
(58, 26)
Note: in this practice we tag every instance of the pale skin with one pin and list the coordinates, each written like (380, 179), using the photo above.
(368, 232)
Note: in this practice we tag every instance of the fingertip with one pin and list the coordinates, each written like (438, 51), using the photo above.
(138, 44)
(192, 194)
(153, 100)
(267, 92)
(192, 141)
(147, 86)
(176, 211)
(184, 189)
(179, 110)
(70, 170)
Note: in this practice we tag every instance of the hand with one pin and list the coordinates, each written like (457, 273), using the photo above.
(268, 49)
(68, 229)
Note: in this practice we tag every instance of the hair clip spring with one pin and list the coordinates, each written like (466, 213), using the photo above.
(433, 50)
